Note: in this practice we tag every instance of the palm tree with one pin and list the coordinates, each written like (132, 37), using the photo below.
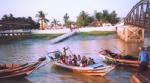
(82, 19)
(105, 16)
(54, 22)
(66, 19)
(42, 18)
(98, 15)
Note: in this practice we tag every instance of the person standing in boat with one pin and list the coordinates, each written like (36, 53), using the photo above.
(65, 51)
(144, 60)
(63, 56)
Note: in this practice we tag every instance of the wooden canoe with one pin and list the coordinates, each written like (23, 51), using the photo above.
(95, 70)
(19, 71)
(125, 62)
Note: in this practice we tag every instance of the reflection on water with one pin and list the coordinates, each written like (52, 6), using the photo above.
(30, 50)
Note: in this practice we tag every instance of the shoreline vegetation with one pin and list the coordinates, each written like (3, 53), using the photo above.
(47, 36)
(92, 33)
(97, 33)
(84, 19)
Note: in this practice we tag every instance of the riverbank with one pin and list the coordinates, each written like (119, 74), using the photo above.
(52, 33)
(48, 36)
(95, 31)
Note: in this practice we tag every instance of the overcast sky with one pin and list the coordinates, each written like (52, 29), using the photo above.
(57, 8)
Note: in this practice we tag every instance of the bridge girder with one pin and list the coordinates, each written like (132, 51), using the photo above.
(139, 15)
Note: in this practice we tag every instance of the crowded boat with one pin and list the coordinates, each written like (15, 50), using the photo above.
(81, 64)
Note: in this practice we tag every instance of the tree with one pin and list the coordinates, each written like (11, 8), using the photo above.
(18, 23)
(66, 20)
(113, 18)
(98, 15)
(54, 22)
(82, 19)
(105, 16)
(42, 18)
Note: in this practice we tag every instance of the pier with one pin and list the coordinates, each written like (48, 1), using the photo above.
(14, 34)
(63, 37)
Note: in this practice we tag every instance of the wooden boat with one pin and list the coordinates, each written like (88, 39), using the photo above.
(18, 71)
(110, 58)
(95, 69)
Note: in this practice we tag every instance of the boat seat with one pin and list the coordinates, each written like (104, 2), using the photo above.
(99, 66)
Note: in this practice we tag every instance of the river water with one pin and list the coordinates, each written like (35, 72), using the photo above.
(30, 50)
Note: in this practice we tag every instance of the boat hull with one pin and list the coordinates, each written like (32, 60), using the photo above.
(100, 71)
(108, 59)
(19, 71)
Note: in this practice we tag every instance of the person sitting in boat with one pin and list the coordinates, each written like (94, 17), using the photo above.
(57, 55)
(74, 60)
(67, 60)
(79, 58)
(84, 61)
(62, 59)
(91, 61)
(106, 52)
(103, 52)
(118, 56)
(144, 60)
(70, 60)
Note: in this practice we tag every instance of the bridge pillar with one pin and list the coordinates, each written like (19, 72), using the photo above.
(130, 33)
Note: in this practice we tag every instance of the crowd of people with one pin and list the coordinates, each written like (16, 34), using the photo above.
(73, 59)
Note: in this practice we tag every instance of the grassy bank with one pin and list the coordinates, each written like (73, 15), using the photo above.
(47, 36)
(97, 33)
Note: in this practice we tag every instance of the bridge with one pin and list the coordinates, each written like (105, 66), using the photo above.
(135, 22)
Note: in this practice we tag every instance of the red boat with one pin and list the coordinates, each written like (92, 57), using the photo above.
(18, 71)
(126, 60)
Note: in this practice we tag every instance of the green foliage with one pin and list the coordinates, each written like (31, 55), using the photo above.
(45, 36)
(98, 15)
(54, 22)
(67, 22)
(18, 20)
(96, 33)
(85, 20)
(42, 17)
